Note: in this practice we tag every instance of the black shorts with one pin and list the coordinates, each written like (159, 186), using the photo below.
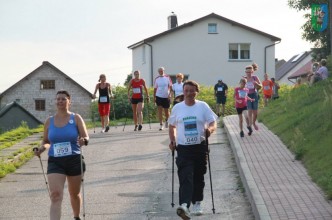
(240, 110)
(136, 101)
(164, 102)
(69, 165)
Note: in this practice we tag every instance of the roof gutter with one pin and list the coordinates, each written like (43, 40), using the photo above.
(151, 62)
(265, 48)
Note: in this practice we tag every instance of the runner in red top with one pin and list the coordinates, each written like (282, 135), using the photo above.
(136, 86)
(267, 89)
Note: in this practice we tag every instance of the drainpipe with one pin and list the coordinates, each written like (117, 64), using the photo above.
(151, 62)
(265, 53)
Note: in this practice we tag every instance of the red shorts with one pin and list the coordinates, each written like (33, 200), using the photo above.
(267, 96)
(104, 109)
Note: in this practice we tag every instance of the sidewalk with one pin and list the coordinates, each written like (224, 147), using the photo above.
(278, 186)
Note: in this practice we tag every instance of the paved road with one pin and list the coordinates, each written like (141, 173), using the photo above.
(128, 177)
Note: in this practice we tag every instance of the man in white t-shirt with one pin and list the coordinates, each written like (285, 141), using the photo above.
(177, 88)
(191, 121)
(162, 95)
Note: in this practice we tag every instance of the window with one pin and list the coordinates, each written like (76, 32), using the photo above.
(40, 105)
(47, 84)
(212, 28)
(239, 51)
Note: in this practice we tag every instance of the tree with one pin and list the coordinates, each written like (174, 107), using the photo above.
(129, 77)
(321, 40)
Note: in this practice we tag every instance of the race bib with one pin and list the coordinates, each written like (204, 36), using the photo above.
(266, 87)
(242, 93)
(136, 90)
(62, 149)
(103, 99)
(250, 85)
(220, 89)
(191, 132)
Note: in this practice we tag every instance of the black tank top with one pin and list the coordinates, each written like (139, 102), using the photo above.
(103, 95)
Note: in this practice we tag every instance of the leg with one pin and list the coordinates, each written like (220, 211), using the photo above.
(218, 109)
(74, 188)
(166, 110)
(222, 109)
(185, 174)
(254, 118)
(160, 114)
(56, 183)
(200, 169)
(241, 122)
(140, 106)
(134, 107)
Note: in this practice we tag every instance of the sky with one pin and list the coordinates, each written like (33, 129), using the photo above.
(84, 38)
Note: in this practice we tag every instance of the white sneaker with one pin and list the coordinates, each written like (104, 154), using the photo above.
(166, 124)
(161, 128)
(197, 209)
(183, 212)
(102, 131)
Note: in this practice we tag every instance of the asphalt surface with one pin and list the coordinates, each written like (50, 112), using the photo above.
(128, 177)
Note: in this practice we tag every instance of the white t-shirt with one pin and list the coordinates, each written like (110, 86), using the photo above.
(177, 88)
(191, 122)
(162, 84)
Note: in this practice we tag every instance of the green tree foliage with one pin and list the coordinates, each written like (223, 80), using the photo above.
(321, 40)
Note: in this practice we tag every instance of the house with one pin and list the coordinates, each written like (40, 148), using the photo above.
(36, 92)
(205, 50)
(298, 66)
(12, 116)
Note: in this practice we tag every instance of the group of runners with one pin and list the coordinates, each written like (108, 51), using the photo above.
(190, 123)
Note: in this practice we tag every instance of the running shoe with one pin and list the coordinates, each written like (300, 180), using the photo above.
(250, 130)
(161, 127)
(241, 134)
(183, 212)
(135, 127)
(102, 130)
(140, 127)
(107, 128)
(197, 209)
(166, 124)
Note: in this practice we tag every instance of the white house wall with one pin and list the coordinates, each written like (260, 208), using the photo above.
(204, 57)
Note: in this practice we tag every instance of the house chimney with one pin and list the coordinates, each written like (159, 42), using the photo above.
(172, 21)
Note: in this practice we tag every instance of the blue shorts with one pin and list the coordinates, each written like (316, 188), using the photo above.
(253, 105)
(221, 100)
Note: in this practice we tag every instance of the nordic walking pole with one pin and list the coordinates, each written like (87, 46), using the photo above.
(82, 182)
(172, 178)
(41, 164)
(208, 157)
(112, 98)
(147, 103)
(126, 118)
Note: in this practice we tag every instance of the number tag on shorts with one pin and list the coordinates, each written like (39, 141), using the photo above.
(62, 149)
(103, 99)
(136, 90)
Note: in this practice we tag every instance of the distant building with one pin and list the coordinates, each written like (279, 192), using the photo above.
(12, 116)
(36, 92)
(205, 50)
(297, 67)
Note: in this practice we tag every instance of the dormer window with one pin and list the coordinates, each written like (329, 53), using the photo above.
(212, 28)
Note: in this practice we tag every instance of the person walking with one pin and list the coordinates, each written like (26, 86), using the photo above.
(136, 98)
(190, 122)
(104, 106)
(162, 95)
(267, 89)
(241, 98)
(177, 88)
(275, 89)
(220, 93)
(253, 84)
(64, 135)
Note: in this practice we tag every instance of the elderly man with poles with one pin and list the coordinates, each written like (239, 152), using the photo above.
(191, 122)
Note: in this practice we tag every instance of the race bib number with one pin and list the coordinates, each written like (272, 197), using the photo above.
(136, 90)
(103, 99)
(242, 93)
(250, 85)
(266, 87)
(62, 149)
(220, 89)
(191, 132)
